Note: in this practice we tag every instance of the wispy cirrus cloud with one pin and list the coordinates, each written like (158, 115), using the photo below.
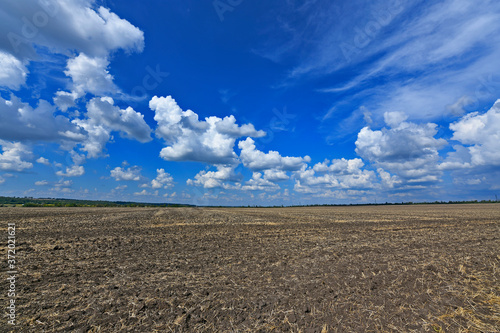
(413, 56)
(443, 53)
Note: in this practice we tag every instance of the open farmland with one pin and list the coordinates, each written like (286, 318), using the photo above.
(421, 268)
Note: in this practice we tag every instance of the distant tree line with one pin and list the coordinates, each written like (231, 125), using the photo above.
(408, 203)
(57, 202)
(373, 204)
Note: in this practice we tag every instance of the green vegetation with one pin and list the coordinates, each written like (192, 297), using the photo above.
(410, 203)
(57, 202)
(374, 204)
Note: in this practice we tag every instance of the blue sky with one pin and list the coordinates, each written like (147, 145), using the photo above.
(237, 102)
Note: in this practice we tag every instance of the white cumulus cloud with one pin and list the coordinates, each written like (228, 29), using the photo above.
(146, 193)
(13, 72)
(339, 173)
(190, 139)
(88, 75)
(73, 171)
(127, 121)
(163, 179)
(480, 136)
(65, 26)
(275, 175)
(20, 122)
(259, 183)
(388, 180)
(133, 173)
(257, 160)
(408, 150)
(103, 117)
(223, 177)
(43, 160)
(13, 156)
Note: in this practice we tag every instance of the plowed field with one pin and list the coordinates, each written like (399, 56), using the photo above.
(421, 268)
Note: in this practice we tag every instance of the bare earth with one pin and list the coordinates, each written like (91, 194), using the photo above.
(415, 268)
